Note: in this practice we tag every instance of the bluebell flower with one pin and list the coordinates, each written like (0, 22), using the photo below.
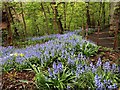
(99, 62)
(98, 82)
(115, 86)
(59, 66)
(79, 56)
(91, 64)
(55, 69)
(82, 70)
(114, 67)
(119, 68)
(77, 73)
(54, 65)
(50, 72)
(110, 87)
(70, 61)
(105, 81)
(68, 87)
(94, 69)
(106, 66)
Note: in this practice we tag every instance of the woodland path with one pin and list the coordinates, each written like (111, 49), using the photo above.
(104, 39)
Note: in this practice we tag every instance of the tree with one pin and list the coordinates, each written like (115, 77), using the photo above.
(64, 9)
(22, 12)
(9, 37)
(46, 19)
(72, 7)
(88, 14)
(57, 18)
(10, 8)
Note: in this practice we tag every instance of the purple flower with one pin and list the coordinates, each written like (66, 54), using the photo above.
(50, 72)
(54, 65)
(68, 87)
(113, 67)
(119, 69)
(79, 55)
(98, 82)
(99, 63)
(55, 69)
(70, 61)
(94, 69)
(110, 87)
(91, 64)
(106, 66)
(77, 73)
(114, 86)
(59, 66)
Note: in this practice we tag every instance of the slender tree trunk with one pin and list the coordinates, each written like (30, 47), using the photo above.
(103, 14)
(37, 27)
(99, 21)
(64, 6)
(88, 14)
(112, 5)
(93, 22)
(22, 12)
(46, 19)
(54, 19)
(70, 18)
(12, 20)
(9, 37)
(57, 19)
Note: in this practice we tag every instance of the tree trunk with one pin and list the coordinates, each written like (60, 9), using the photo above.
(46, 19)
(70, 18)
(37, 27)
(12, 20)
(88, 14)
(57, 19)
(103, 14)
(99, 21)
(112, 22)
(64, 6)
(9, 37)
(22, 12)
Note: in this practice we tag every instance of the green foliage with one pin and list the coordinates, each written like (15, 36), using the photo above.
(86, 80)
(73, 15)
(87, 49)
(39, 78)
(61, 80)
(13, 65)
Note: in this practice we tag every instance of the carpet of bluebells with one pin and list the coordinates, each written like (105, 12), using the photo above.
(62, 63)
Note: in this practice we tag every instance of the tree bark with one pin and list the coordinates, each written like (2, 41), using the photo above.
(22, 12)
(46, 19)
(12, 20)
(64, 7)
(103, 14)
(57, 19)
(9, 37)
(88, 14)
(70, 18)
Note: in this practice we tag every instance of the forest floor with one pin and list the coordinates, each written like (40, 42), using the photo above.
(103, 38)
(16, 80)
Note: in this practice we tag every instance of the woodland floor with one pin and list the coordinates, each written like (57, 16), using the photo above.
(11, 80)
(105, 38)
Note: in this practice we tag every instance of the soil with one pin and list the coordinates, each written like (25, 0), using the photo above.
(107, 55)
(11, 80)
(105, 38)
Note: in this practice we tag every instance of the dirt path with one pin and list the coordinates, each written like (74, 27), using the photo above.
(104, 38)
